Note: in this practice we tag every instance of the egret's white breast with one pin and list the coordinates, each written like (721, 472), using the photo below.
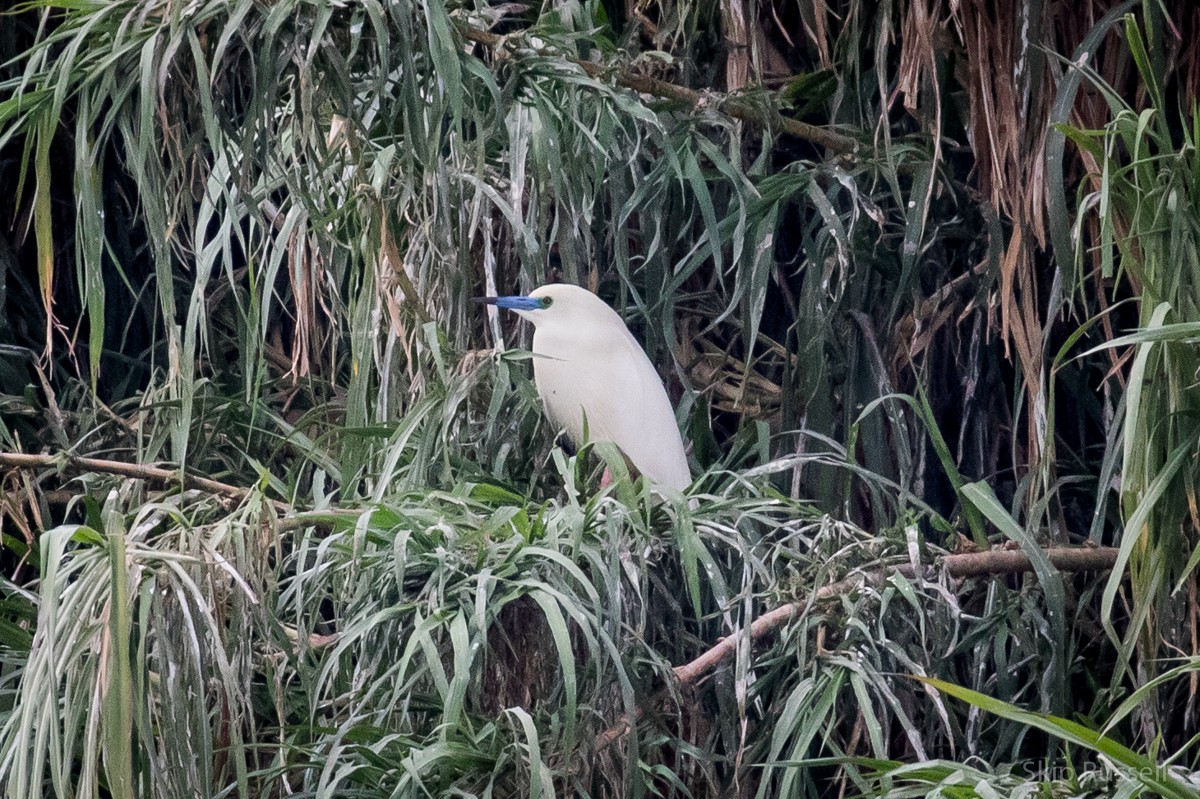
(598, 370)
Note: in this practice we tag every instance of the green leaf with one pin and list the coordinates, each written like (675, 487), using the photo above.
(1135, 767)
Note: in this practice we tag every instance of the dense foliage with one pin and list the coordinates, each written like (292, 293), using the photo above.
(280, 514)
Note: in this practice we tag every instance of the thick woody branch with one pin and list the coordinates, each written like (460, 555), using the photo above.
(738, 109)
(972, 564)
(136, 471)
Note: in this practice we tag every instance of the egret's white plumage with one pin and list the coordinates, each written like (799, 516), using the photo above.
(587, 364)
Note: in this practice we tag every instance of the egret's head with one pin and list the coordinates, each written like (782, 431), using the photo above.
(556, 302)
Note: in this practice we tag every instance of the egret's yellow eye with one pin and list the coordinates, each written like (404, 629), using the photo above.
(547, 302)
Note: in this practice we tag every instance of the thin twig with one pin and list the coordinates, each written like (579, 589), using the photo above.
(57, 425)
(738, 109)
(971, 564)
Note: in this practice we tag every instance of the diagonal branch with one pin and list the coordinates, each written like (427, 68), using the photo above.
(971, 564)
(136, 471)
(738, 109)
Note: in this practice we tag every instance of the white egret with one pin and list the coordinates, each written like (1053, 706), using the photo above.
(588, 366)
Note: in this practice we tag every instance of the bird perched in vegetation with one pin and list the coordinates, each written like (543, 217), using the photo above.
(590, 370)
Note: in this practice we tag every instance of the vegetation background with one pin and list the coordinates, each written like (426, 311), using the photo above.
(280, 514)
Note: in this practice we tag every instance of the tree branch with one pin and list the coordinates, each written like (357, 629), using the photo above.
(971, 564)
(136, 471)
(738, 109)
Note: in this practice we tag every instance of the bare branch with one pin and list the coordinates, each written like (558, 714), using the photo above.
(971, 564)
(738, 109)
(136, 471)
